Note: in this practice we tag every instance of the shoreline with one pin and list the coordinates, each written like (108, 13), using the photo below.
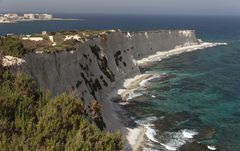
(136, 136)
(116, 117)
(145, 62)
(33, 20)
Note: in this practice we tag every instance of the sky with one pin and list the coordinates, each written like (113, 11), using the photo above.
(156, 7)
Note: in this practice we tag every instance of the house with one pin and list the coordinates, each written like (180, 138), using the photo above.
(29, 16)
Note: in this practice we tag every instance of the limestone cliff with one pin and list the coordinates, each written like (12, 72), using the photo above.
(99, 64)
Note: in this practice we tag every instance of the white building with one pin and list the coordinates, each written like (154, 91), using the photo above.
(11, 15)
(38, 16)
(4, 20)
(1, 18)
(29, 16)
(44, 32)
(48, 16)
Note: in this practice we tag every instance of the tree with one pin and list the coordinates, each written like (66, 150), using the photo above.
(12, 46)
(33, 120)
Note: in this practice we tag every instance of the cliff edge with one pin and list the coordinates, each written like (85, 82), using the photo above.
(97, 65)
(96, 68)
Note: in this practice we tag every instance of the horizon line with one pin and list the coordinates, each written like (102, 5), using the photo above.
(122, 14)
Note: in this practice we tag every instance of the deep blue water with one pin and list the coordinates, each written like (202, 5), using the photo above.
(216, 28)
(198, 93)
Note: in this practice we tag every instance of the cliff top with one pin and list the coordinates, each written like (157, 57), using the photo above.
(18, 45)
(64, 40)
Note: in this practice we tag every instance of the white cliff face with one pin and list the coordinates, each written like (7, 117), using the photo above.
(98, 65)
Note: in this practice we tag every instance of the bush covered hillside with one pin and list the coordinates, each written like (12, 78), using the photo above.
(16, 46)
(12, 46)
(31, 120)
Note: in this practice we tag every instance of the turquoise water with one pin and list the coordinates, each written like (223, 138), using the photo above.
(196, 100)
(198, 92)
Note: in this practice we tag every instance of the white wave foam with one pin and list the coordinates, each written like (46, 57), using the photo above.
(211, 147)
(208, 45)
(200, 40)
(145, 82)
(133, 95)
(153, 96)
(166, 54)
(123, 103)
(146, 121)
(149, 149)
(188, 133)
(151, 133)
(173, 140)
(169, 147)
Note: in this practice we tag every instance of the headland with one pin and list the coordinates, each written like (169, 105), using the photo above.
(29, 17)
(101, 65)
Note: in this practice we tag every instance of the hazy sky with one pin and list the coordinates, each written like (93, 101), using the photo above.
(176, 7)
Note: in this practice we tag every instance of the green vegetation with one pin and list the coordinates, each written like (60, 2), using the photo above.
(32, 120)
(31, 46)
(12, 46)
(15, 46)
(67, 45)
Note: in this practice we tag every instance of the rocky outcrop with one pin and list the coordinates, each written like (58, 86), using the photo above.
(99, 64)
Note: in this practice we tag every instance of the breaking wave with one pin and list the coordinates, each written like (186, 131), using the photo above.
(133, 95)
(145, 83)
(170, 141)
(173, 140)
(211, 147)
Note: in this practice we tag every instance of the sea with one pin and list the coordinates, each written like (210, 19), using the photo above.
(193, 101)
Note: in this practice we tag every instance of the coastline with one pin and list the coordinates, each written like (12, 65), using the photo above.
(135, 136)
(178, 50)
(67, 19)
(33, 20)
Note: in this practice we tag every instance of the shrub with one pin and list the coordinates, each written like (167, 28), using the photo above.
(95, 113)
(12, 46)
(33, 120)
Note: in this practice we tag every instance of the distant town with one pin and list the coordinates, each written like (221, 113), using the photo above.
(14, 17)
